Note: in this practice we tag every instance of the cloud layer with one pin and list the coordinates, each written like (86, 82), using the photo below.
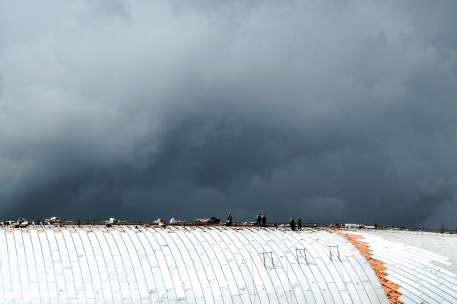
(148, 109)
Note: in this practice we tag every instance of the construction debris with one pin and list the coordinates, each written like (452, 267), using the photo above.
(211, 221)
(53, 220)
(351, 226)
(160, 222)
(111, 221)
(21, 222)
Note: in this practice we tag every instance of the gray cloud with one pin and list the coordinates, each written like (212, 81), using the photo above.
(140, 110)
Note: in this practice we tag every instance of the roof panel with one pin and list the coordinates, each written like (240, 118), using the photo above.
(189, 265)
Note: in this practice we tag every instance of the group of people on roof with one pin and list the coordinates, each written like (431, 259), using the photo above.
(262, 220)
(292, 224)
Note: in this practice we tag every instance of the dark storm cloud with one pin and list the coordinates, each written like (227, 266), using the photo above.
(139, 110)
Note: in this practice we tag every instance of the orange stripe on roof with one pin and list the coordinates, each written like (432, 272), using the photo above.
(390, 288)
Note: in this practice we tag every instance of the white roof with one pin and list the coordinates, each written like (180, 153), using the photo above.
(183, 265)
(424, 265)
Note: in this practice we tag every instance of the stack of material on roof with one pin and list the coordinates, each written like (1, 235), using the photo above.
(53, 220)
(211, 221)
(160, 222)
(351, 226)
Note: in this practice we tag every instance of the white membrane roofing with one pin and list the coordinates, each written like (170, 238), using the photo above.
(424, 265)
(96, 264)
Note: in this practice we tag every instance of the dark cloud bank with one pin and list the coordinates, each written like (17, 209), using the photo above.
(147, 109)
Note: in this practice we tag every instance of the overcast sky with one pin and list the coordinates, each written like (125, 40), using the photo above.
(331, 111)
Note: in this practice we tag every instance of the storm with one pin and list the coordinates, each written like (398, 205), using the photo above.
(329, 111)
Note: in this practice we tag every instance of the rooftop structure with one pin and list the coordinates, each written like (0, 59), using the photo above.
(177, 264)
(219, 264)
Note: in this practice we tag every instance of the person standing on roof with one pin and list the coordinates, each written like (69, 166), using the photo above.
(299, 224)
(264, 220)
(292, 224)
(229, 219)
(258, 219)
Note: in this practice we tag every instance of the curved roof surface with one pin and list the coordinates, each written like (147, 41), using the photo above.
(96, 264)
(422, 264)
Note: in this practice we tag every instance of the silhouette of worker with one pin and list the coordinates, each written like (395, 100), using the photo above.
(229, 219)
(292, 224)
(258, 219)
(264, 219)
(299, 224)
